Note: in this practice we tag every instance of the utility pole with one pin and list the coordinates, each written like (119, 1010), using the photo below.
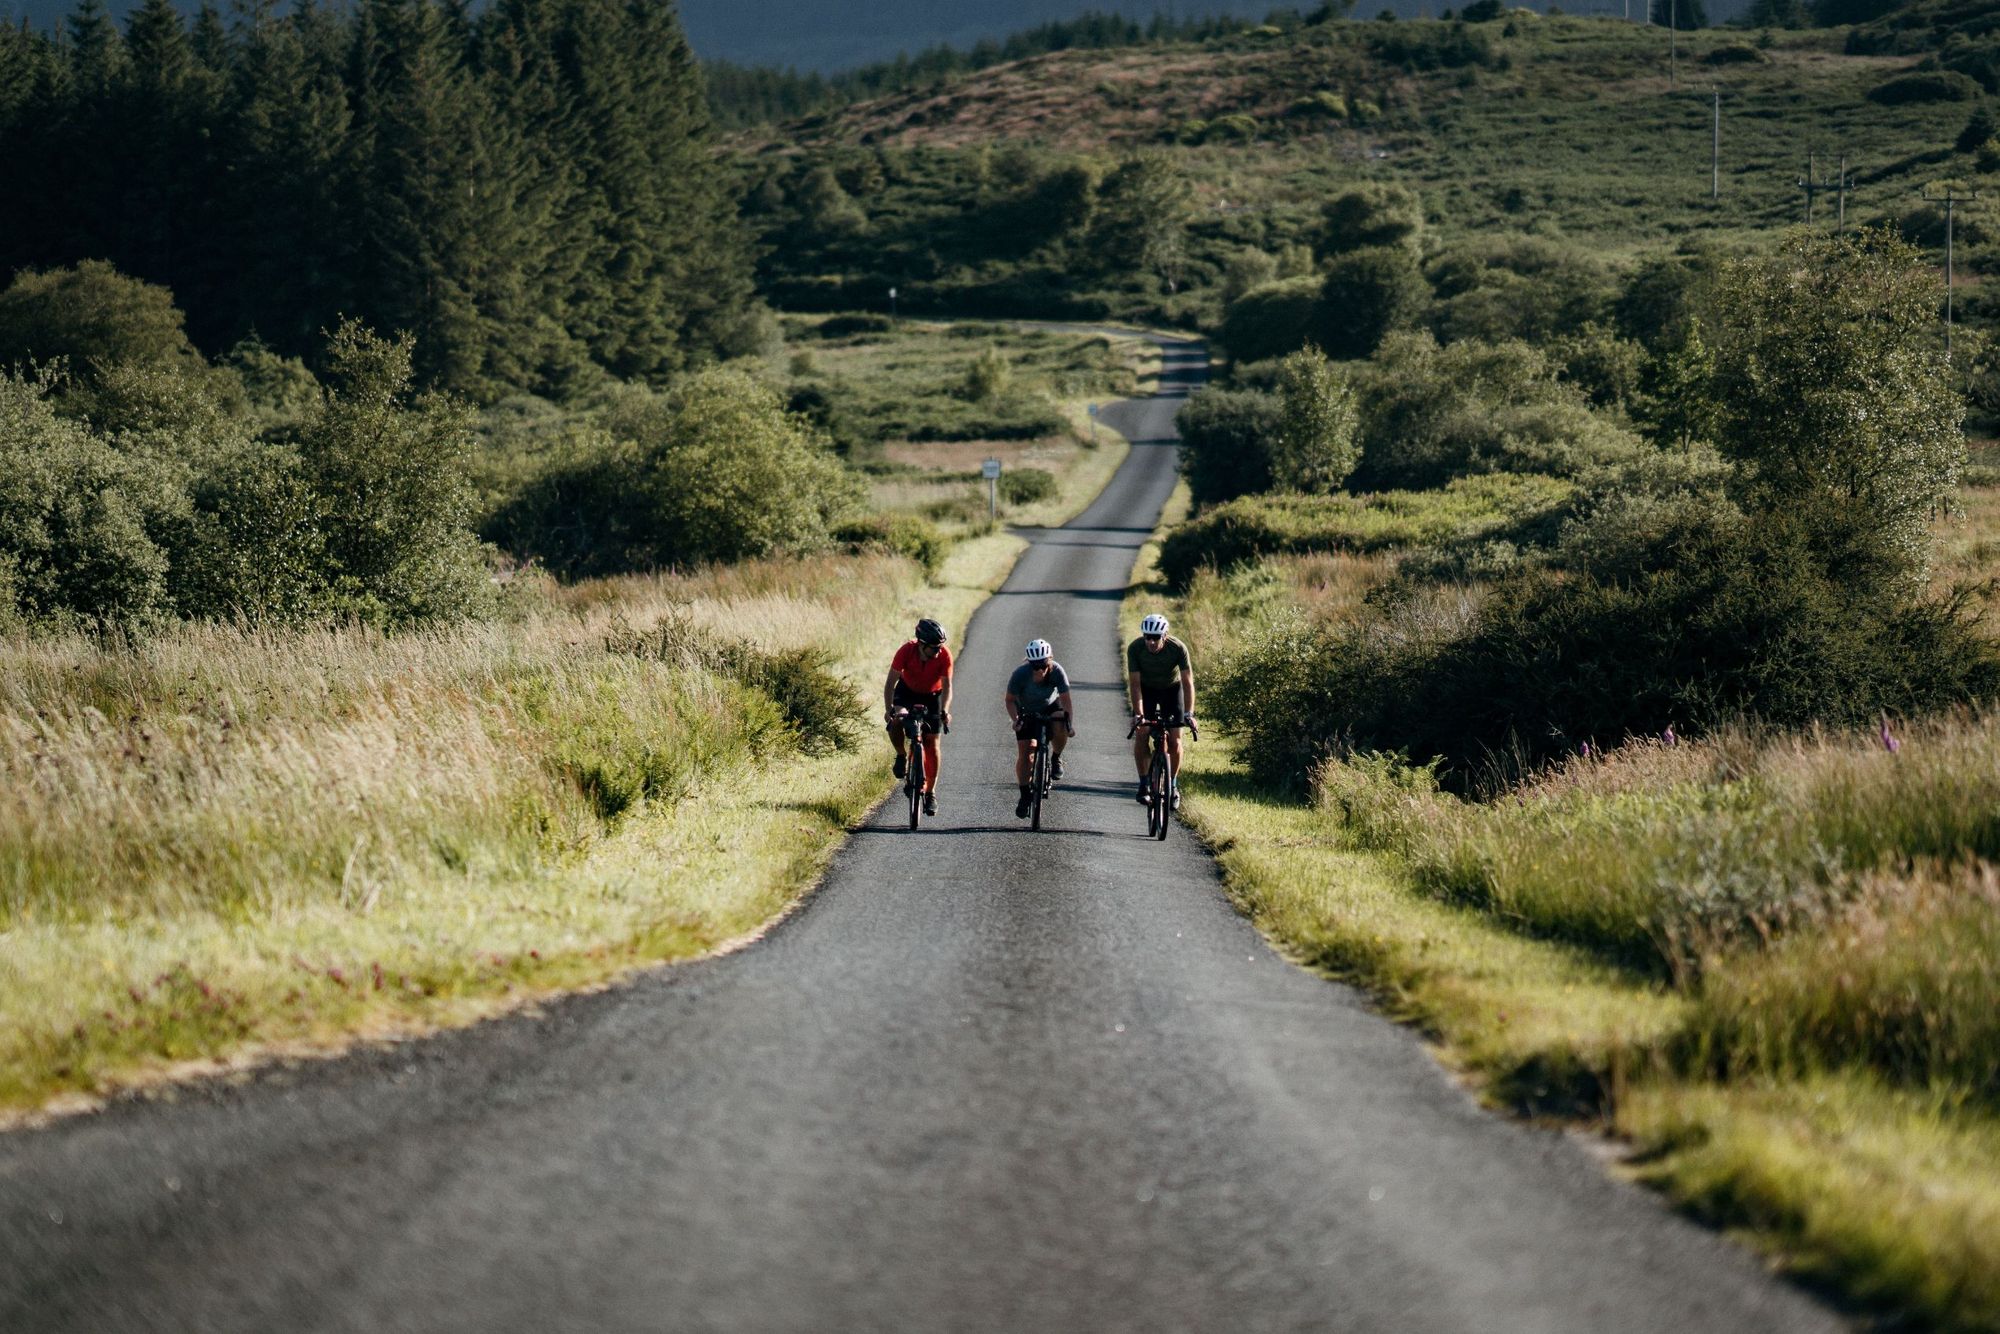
(1673, 43)
(1951, 199)
(1715, 152)
(1842, 187)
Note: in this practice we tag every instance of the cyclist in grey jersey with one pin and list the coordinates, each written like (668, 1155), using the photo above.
(1039, 687)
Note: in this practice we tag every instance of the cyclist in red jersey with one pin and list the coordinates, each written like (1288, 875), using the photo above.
(920, 680)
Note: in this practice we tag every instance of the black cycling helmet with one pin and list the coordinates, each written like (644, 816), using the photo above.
(929, 632)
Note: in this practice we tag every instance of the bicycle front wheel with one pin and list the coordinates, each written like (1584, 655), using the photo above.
(1156, 797)
(1041, 784)
(914, 788)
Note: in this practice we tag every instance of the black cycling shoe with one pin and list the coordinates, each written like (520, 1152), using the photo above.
(900, 767)
(1141, 797)
(1021, 807)
(930, 803)
(1055, 769)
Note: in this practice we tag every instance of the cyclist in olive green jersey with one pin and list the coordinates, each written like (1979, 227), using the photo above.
(1160, 674)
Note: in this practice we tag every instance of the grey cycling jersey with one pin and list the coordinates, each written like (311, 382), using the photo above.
(1037, 696)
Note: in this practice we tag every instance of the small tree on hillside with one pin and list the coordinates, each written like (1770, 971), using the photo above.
(1141, 220)
(1370, 215)
(1316, 445)
(1831, 383)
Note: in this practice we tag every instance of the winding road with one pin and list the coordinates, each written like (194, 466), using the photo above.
(985, 1080)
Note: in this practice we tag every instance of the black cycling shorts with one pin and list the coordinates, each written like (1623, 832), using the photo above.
(917, 702)
(1161, 702)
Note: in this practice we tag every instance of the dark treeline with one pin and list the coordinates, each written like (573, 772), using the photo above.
(528, 190)
(751, 95)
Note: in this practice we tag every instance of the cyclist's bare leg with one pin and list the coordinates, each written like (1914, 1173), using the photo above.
(1058, 738)
(1174, 753)
(1024, 753)
(896, 739)
(1142, 753)
(933, 760)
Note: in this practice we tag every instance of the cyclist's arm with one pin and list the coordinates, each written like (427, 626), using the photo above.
(889, 685)
(1138, 699)
(1064, 703)
(1187, 690)
(1013, 708)
(944, 699)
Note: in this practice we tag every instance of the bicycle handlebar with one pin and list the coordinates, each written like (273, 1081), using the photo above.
(1186, 720)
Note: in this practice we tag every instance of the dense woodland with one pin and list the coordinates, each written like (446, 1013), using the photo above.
(528, 189)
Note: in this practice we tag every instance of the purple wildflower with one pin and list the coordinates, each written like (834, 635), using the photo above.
(1669, 737)
(1890, 742)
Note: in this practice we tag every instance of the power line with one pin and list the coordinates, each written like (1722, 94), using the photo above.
(1951, 199)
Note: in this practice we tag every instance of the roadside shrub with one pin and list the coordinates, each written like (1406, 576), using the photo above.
(1232, 128)
(818, 704)
(1245, 271)
(1226, 443)
(1608, 369)
(905, 534)
(1927, 86)
(1025, 486)
(1271, 320)
(1516, 287)
(1711, 623)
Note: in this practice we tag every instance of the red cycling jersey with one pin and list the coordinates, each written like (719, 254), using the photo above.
(924, 675)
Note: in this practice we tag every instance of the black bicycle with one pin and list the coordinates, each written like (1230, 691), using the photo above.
(915, 721)
(1159, 786)
(1036, 730)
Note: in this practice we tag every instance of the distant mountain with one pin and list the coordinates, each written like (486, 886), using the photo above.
(828, 35)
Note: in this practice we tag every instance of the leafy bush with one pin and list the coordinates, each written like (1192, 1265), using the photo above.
(91, 316)
(1271, 320)
(1367, 295)
(847, 326)
(1324, 104)
(817, 706)
(1226, 443)
(1429, 414)
(74, 545)
(905, 534)
(1426, 46)
(1232, 128)
(713, 470)
(1516, 287)
(988, 377)
(1722, 623)
(1369, 216)
(391, 470)
(1809, 333)
(1735, 53)
(1249, 528)
(1025, 486)
(1927, 86)
(1314, 449)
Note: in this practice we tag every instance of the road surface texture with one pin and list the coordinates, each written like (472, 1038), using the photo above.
(987, 1080)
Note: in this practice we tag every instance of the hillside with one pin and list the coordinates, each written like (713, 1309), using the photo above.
(1556, 126)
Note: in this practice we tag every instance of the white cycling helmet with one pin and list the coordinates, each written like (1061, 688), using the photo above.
(1155, 624)
(1039, 650)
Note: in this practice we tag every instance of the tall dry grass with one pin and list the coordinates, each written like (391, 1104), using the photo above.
(1826, 899)
(245, 771)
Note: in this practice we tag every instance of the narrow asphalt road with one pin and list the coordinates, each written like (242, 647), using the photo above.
(987, 1080)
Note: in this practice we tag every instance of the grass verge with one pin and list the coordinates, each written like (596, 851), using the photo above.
(401, 839)
(1821, 1096)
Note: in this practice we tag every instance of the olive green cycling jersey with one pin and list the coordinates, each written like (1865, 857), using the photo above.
(1158, 670)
